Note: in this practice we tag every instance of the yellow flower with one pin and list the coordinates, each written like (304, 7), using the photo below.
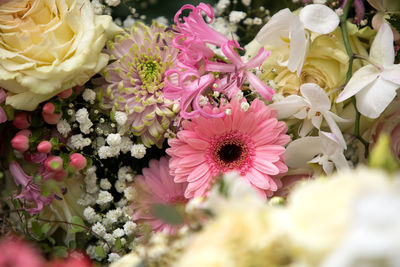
(49, 46)
(326, 62)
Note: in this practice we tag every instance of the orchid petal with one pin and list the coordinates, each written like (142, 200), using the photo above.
(360, 79)
(334, 128)
(288, 106)
(331, 143)
(319, 18)
(316, 121)
(298, 46)
(306, 128)
(316, 96)
(392, 74)
(340, 161)
(382, 49)
(277, 26)
(265, 91)
(373, 100)
(302, 150)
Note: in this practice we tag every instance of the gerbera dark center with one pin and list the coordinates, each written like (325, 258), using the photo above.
(230, 152)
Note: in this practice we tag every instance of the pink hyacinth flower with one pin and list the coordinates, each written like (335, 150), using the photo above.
(30, 191)
(240, 70)
(157, 186)
(250, 142)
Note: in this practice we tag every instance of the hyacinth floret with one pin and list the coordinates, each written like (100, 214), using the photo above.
(133, 83)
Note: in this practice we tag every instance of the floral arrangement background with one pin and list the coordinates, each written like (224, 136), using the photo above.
(227, 133)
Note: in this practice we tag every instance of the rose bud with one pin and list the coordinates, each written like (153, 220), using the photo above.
(20, 142)
(66, 93)
(48, 113)
(44, 147)
(21, 120)
(77, 161)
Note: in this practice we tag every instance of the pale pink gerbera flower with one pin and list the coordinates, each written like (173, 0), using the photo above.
(154, 188)
(250, 142)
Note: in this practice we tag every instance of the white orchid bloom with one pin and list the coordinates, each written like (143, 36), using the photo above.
(313, 106)
(285, 28)
(375, 84)
(325, 149)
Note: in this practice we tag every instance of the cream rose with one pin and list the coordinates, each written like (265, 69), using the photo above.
(47, 46)
(326, 62)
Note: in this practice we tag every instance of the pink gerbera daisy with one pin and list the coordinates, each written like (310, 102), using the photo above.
(250, 142)
(156, 186)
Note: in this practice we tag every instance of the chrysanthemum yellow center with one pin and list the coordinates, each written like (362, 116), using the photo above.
(149, 70)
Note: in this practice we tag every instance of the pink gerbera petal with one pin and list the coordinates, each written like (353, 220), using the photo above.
(245, 141)
(157, 186)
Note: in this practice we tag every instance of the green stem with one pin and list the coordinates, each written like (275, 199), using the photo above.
(343, 26)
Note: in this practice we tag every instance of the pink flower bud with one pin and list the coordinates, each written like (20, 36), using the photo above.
(26, 133)
(60, 175)
(66, 93)
(21, 120)
(77, 161)
(48, 108)
(78, 89)
(48, 113)
(44, 147)
(54, 163)
(20, 142)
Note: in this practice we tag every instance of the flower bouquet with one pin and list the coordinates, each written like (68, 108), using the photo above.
(232, 133)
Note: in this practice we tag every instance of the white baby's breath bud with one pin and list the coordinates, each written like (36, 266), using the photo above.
(126, 144)
(113, 2)
(138, 151)
(120, 186)
(105, 184)
(90, 215)
(129, 193)
(120, 117)
(114, 140)
(246, 2)
(78, 142)
(129, 227)
(216, 94)
(104, 197)
(236, 16)
(257, 21)
(112, 257)
(99, 229)
(339, 11)
(63, 127)
(89, 95)
(228, 111)
(244, 106)
(118, 232)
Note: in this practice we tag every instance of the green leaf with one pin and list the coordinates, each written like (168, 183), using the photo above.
(75, 228)
(382, 155)
(167, 213)
(51, 240)
(60, 252)
(72, 244)
(100, 251)
(36, 228)
(118, 244)
(46, 227)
